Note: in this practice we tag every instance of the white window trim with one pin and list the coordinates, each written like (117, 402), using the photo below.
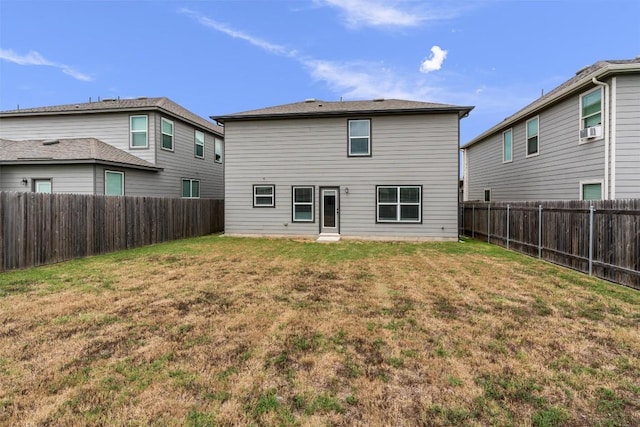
(349, 153)
(105, 180)
(526, 139)
(510, 130)
(217, 143)
(589, 140)
(131, 132)
(399, 205)
(591, 181)
(294, 203)
(484, 191)
(196, 144)
(273, 195)
(172, 134)
(191, 181)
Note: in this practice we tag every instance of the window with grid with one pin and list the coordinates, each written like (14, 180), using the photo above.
(399, 203)
(302, 204)
(264, 196)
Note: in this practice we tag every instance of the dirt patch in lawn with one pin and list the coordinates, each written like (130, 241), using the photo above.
(222, 331)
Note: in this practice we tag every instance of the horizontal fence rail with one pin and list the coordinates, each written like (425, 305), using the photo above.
(601, 238)
(38, 229)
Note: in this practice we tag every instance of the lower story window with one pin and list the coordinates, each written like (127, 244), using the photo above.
(42, 185)
(487, 194)
(191, 188)
(591, 191)
(399, 203)
(264, 196)
(302, 204)
(113, 183)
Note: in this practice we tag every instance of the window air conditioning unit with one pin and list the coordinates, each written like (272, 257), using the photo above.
(591, 132)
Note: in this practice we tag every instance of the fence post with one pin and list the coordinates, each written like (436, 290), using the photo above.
(591, 212)
(539, 231)
(473, 221)
(489, 223)
(508, 206)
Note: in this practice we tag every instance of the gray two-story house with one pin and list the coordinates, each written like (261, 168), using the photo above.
(133, 147)
(383, 169)
(580, 141)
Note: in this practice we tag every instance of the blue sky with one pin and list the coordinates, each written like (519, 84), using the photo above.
(220, 57)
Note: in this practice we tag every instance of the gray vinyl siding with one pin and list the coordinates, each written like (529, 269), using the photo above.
(64, 178)
(182, 163)
(627, 155)
(112, 128)
(406, 150)
(136, 182)
(554, 174)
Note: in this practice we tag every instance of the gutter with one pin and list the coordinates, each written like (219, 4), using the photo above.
(462, 113)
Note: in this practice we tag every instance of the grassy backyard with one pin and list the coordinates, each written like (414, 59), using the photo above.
(230, 331)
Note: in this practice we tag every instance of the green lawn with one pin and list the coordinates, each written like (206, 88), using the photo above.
(237, 331)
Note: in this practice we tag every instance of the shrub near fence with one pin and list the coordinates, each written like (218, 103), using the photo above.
(596, 237)
(38, 229)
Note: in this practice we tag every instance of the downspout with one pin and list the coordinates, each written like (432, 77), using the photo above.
(605, 96)
(614, 120)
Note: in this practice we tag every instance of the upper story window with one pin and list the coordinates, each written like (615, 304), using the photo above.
(591, 109)
(199, 147)
(191, 188)
(264, 196)
(533, 142)
(507, 146)
(138, 132)
(399, 203)
(217, 147)
(167, 134)
(360, 137)
(113, 183)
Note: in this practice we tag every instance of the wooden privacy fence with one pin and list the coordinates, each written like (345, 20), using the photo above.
(38, 229)
(601, 238)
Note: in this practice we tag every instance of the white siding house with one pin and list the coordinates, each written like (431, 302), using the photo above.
(161, 149)
(385, 169)
(579, 141)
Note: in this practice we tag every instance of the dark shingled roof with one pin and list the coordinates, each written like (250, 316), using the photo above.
(68, 151)
(317, 108)
(164, 105)
(582, 78)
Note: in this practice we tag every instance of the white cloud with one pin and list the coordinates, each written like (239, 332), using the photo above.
(374, 13)
(352, 80)
(223, 28)
(34, 58)
(434, 62)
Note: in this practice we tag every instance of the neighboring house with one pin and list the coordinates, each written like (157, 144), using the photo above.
(385, 169)
(133, 147)
(579, 141)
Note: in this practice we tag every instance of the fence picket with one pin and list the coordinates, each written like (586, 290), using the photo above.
(560, 232)
(38, 229)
